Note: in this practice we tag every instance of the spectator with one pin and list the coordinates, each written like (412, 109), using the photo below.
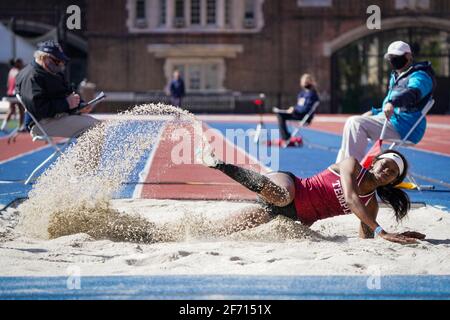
(306, 98)
(177, 89)
(16, 66)
(410, 87)
(48, 96)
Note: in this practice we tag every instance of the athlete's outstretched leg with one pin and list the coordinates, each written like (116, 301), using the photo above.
(278, 191)
(244, 219)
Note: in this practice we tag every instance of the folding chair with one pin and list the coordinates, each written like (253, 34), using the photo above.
(43, 137)
(305, 121)
(405, 141)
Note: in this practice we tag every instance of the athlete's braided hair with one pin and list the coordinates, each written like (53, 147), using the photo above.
(395, 197)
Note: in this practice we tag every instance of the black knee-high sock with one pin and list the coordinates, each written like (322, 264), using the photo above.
(248, 178)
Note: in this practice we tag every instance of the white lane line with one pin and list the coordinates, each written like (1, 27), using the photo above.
(264, 168)
(145, 172)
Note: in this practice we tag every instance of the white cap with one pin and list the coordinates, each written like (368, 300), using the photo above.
(398, 48)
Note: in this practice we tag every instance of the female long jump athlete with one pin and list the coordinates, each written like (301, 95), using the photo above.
(342, 188)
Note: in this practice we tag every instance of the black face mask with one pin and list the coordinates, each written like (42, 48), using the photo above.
(308, 86)
(398, 62)
(53, 67)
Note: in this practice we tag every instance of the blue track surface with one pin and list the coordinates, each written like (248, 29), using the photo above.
(228, 287)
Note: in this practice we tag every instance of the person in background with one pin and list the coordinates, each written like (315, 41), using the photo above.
(410, 87)
(16, 66)
(306, 98)
(177, 89)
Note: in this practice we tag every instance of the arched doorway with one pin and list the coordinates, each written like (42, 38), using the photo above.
(360, 73)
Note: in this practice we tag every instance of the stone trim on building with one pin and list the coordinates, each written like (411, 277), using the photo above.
(151, 24)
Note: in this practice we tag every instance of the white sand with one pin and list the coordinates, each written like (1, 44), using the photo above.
(332, 249)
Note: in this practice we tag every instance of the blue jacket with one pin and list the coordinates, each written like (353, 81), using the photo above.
(409, 93)
(305, 101)
(177, 88)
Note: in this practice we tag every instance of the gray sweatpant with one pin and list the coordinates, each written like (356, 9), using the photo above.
(65, 125)
(356, 132)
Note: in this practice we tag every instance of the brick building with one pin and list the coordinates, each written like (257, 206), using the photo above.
(229, 51)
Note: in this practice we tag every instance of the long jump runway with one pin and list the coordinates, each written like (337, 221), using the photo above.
(153, 177)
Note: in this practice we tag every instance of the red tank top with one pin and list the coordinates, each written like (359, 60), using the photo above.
(12, 81)
(321, 196)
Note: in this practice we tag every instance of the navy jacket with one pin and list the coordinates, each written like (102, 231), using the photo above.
(43, 93)
(177, 88)
(305, 101)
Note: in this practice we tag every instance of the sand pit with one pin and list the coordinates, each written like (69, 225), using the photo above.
(280, 247)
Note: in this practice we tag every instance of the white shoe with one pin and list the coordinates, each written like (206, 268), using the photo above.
(206, 157)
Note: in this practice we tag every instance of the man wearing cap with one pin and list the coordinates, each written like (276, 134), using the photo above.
(411, 85)
(47, 95)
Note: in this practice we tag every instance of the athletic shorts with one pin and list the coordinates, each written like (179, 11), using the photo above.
(288, 211)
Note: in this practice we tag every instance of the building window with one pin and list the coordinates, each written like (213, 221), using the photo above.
(211, 12)
(195, 12)
(314, 3)
(412, 4)
(179, 14)
(141, 17)
(140, 9)
(199, 76)
(228, 10)
(249, 14)
(162, 13)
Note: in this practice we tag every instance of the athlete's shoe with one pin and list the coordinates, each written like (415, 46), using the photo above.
(206, 157)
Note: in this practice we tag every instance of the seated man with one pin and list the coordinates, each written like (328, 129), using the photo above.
(410, 87)
(306, 98)
(47, 95)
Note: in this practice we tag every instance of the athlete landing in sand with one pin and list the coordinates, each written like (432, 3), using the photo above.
(342, 188)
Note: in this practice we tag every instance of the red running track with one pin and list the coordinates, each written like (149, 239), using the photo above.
(165, 180)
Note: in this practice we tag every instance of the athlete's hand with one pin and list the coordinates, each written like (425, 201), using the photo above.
(398, 238)
(413, 234)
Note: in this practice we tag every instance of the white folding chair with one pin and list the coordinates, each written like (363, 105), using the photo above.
(304, 122)
(396, 143)
(43, 137)
(405, 141)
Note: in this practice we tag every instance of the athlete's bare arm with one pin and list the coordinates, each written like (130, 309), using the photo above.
(372, 208)
(349, 169)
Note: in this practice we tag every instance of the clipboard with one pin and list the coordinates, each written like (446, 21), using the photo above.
(93, 102)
